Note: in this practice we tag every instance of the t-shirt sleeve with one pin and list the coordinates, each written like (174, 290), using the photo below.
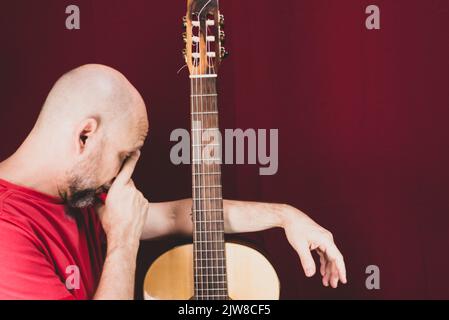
(25, 272)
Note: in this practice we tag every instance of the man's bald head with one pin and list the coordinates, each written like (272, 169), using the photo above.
(95, 118)
(92, 91)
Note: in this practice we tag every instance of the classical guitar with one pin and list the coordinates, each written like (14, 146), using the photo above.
(210, 268)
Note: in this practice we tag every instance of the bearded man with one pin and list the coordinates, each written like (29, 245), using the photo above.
(86, 142)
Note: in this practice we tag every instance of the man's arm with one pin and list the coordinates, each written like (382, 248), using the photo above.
(302, 232)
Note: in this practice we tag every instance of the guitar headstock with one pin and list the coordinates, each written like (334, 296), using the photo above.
(204, 37)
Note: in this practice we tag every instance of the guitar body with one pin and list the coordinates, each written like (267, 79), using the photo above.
(250, 275)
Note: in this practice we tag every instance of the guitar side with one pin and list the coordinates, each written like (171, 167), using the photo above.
(250, 275)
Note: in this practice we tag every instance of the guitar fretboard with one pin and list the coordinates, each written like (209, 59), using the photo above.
(208, 218)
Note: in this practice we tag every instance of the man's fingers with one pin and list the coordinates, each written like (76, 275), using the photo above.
(125, 174)
(340, 265)
(307, 262)
(327, 274)
(334, 276)
(334, 255)
(322, 263)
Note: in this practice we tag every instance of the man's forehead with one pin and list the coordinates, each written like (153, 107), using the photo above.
(131, 133)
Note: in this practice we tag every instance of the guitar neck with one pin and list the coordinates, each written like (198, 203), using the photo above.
(208, 218)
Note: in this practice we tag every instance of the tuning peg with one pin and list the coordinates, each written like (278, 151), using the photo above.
(222, 36)
(184, 22)
(223, 53)
(221, 20)
(184, 37)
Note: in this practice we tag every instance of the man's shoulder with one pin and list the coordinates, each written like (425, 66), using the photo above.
(13, 205)
(16, 232)
(20, 214)
(20, 224)
(12, 222)
(4, 194)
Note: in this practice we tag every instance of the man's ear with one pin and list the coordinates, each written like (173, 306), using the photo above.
(86, 130)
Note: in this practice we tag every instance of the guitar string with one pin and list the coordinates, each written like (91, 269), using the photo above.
(207, 162)
(220, 225)
(205, 166)
(215, 166)
(217, 192)
(222, 243)
(211, 117)
(198, 274)
(201, 162)
(194, 191)
(196, 205)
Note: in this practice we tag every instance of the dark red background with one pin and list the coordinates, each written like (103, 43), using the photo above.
(363, 118)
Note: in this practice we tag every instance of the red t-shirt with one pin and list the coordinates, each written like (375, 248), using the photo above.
(43, 247)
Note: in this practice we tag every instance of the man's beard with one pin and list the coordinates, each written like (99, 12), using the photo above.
(82, 190)
(81, 198)
(82, 184)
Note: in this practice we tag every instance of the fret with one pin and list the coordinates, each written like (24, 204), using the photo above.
(206, 129)
(203, 76)
(211, 159)
(212, 221)
(202, 259)
(217, 239)
(217, 218)
(214, 241)
(217, 244)
(201, 187)
(206, 173)
(209, 250)
(212, 231)
(203, 113)
(204, 95)
(216, 289)
(206, 145)
(212, 210)
(211, 267)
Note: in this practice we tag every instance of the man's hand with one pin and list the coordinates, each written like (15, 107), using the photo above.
(123, 218)
(305, 236)
(125, 211)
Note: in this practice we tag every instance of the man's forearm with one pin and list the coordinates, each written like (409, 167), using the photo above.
(175, 217)
(118, 276)
(242, 216)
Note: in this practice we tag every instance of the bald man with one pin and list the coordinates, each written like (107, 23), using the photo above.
(58, 241)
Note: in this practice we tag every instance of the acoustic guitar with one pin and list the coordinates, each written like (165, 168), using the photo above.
(210, 268)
